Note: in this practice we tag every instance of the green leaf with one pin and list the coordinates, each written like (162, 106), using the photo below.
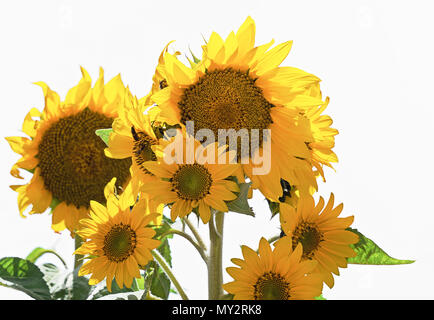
(25, 276)
(320, 297)
(58, 281)
(240, 204)
(80, 287)
(368, 252)
(38, 252)
(164, 249)
(104, 134)
(160, 285)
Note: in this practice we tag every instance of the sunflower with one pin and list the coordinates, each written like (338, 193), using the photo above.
(65, 155)
(159, 78)
(321, 233)
(323, 135)
(239, 86)
(132, 138)
(118, 241)
(277, 274)
(186, 183)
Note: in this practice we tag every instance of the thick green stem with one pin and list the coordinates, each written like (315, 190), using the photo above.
(169, 273)
(215, 265)
(78, 259)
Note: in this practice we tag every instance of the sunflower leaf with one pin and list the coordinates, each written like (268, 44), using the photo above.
(368, 252)
(240, 204)
(160, 285)
(164, 249)
(80, 287)
(104, 134)
(58, 280)
(25, 276)
(161, 234)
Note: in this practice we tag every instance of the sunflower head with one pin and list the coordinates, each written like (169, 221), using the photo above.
(192, 176)
(321, 232)
(117, 241)
(242, 87)
(278, 274)
(65, 155)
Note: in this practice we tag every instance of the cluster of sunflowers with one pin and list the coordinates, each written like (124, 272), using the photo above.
(100, 160)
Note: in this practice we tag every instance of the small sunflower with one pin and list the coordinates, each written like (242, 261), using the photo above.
(65, 155)
(277, 274)
(159, 78)
(323, 135)
(239, 86)
(132, 138)
(118, 241)
(321, 232)
(192, 183)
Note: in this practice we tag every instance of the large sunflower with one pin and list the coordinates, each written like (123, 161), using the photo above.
(239, 86)
(65, 155)
(321, 233)
(277, 274)
(191, 181)
(118, 240)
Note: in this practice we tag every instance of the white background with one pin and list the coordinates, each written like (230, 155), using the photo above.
(376, 62)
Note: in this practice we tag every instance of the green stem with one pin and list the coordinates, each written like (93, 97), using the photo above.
(78, 261)
(169, 273)
(195, 234)
(52, 252)
(215, 265)
(273, 239)
(78, 258)
(190, 239)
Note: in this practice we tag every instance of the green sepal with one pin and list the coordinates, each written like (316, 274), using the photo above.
(195, 59)
(53, 204)
(368, 252)
(104, 134)
(274, 207)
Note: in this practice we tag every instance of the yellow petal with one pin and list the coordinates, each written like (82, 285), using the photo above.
(246, 36)
(29, 125)
(273, 58)
(52, 101)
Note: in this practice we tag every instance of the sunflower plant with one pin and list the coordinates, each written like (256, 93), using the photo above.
(118, 171)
